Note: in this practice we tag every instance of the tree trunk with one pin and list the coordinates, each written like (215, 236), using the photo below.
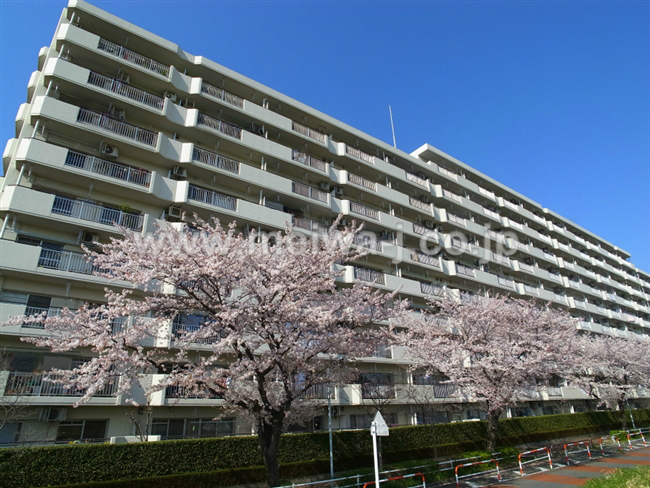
(492, 427)
(268, 435)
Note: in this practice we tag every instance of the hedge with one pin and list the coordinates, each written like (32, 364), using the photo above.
(58, 465)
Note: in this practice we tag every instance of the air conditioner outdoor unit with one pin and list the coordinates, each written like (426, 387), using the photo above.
(170, 95)
(124, 77)
(52, 414)
(110, 151)
(89, 238)
(175, 211)
(179, 172)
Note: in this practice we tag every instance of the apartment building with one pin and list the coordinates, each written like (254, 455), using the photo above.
(121, 125)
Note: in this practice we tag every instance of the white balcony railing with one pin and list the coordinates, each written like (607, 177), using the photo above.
(73, 262)
(216, 160)
(505, 282)
(539, 219)
(487, 193)
(357, 153)
(501, 258)
(531, 290)
(574, 284)
(133, 57)
(219, 126)
(554, 391)
(417, 180)
(491, 213)
(563, 246)
(308, 160)
(545, 238)
(47, 384)
(555, 277)
(108, 168)
(79, 209)
(464, 270)
(365, 274)
(306, 131)
(223, 95)
(420, 257)
(415, 202)
(39, 311)
(511, 205)
(516, 225)
(560, 298)
(431, 289)
(309, 192)
(526, 267)
(211, 197)
(307, 224)
(447, 173)
(128, 91)
(456, 219)
(580, 303)
(451, 195)
(421, 229)
(367, 242)
(360, 209)
(116, 127)
(361, 181)
(569, 264)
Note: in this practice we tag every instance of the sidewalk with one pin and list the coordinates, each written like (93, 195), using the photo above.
(579, 474)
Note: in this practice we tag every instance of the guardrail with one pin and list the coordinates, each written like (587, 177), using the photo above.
(490, 461)
(396, 478)
(534, 451)
(567, 450)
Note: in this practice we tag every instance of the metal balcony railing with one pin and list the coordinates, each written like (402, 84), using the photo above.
(182, 325)
(417, 180)
(46, 384)
(79, 209)
(211, 197)
(421, 257)
(505, 282)
(487, 193)
(532, 290)
(464, 270)
(445, 391)
(511, 205)
(365, 274)
(370, 391)
(319, 392)
(116, 127)
(175, 391)
(132, 57)
(309, 192)
(451, 217)
(39, 311)
(453, 196)
(447, 173)
(554, 391)
(223, 95)
(415, 202)
(308, 160)
(135, 94)
(516, 225)
(361, 181)
(216, 160)
(108, 168)
(357, 153)
(219, 126)
(500, 258)
(491, 213)
(360, 209)
(431, 289)
(422, 229)
(526, 267)
(73, 262)
(367, 242)
(307, 224)
(306, 131)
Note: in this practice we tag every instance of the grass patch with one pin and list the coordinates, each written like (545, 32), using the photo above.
(638, 477)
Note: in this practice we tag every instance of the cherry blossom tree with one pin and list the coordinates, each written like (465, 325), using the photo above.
(495, 349)
(609, 367)
(268, 327)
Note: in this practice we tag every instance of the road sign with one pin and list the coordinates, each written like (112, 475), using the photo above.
(378, 426)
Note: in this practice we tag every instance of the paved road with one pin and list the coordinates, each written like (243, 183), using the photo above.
(579, 474)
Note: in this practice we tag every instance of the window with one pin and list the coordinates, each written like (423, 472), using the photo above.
(75, 430)
(179, 428)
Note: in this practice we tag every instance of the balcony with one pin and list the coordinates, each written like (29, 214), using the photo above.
(445, 391)
(569, 264)
(306, 131)
(417, 180)
(464, 270)
(511, 205)
(46, 384)
(555, 277)
(78, 209)
(487, 193)
(368, 242)
(175, 391)
(580, 303)
(363, 156)
(132, 57)
(574, 284)
(39, 311)
(216, 160)
(361, 181)
(491, 213)
(222, 95)
(307, 224)
(452, 196)
(127, 91)
(319, 392)
(560, 298)
(431, 289)
(451, 217)
(420, 204)
(368, 212)
(447, 173)
(211, 197)
(308, 160)
(219, 126)
(72, 262)
(516, 225)
(108, 168)
(381, 351)
(526, 267)
(531, 290)
(500, 258)
(420, 257)
(545, 238)
(372, 276)
(539, 219)
(309, 192)
(189, 324)
(116, 127)
(554, 391)
(422, 230)
(503, 281)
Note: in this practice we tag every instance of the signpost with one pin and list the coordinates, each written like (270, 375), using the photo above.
(378, 427)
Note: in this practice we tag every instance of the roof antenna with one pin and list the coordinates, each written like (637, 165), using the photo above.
(392, 126)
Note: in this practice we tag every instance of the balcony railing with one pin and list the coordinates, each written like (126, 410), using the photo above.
(491, 213)
(306, 131)
(554, 391)
(211, 197)
(46, 384)
(545, 238)
(116, 127)
(516, 225)
(420, 257)
(456, 219)
(308, 160)
(505, 282)
(182, 325)
(361, 181)
(539, 219)
(219, 94)
(309, 192)
(73, 262)
(464, 270)
(132, 57)
(487, 193)
(511, 205)
(357, 153)
(555, 277)
(108, 168)
(319, 392)
(431, 289)
(219, 126)
(422, 229)
(532, 290)
(563, 246)
(560, 298)
(500, 258)
(365, 274)
(450, 194)
(445, 391)
(307, 224)
(175, 391)
(79, 209)
(550, 256)
(135, 94)
(216, 160)
(574, 284)
(569, 264)
(360, 209)
(381, 351)
(447, 173)
(370, 391)
(415, 202)
(417, 179)
(580, 303)
(39, 311)
(367, 242)
(611, 296)
(526, 267)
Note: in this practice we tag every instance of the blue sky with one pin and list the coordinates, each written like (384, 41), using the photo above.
(551, 98)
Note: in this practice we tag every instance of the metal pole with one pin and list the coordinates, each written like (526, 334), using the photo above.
(329, 427)
(373, 432)
(631, 416)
